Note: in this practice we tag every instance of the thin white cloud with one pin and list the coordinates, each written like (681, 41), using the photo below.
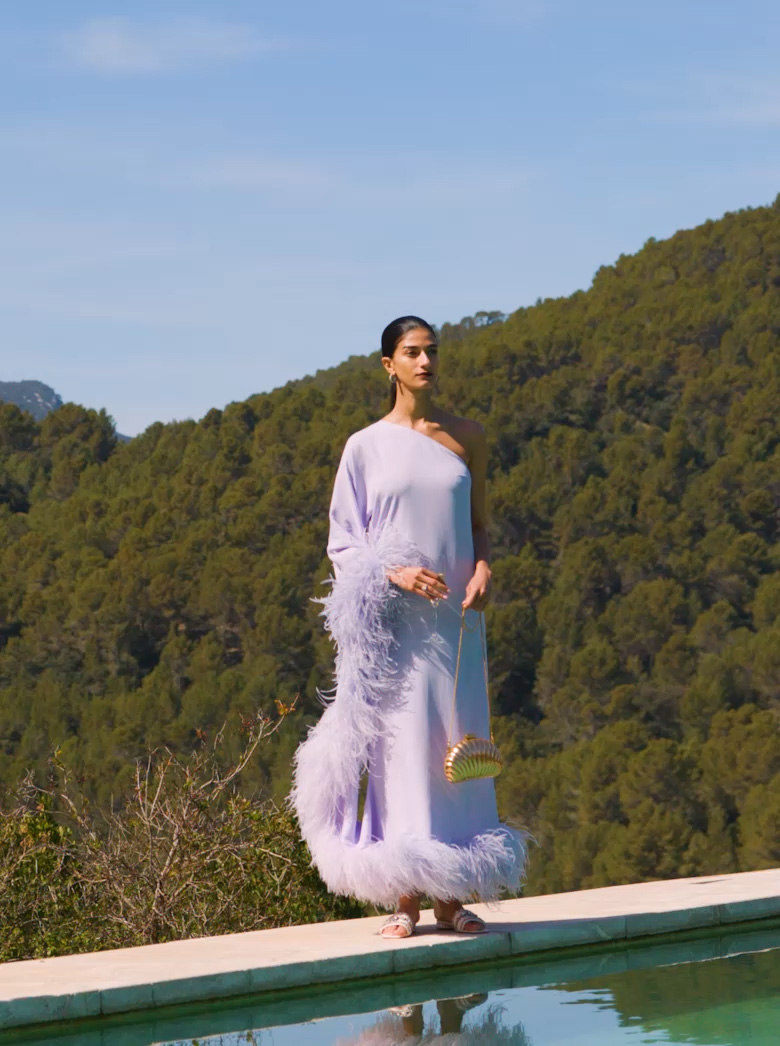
(119, 46)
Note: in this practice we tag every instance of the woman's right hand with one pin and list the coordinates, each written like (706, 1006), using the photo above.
(424, 582)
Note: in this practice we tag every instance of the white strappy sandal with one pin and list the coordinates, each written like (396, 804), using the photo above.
(460, 921)
(397, 919)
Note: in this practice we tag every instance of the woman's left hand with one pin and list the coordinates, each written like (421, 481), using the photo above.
(478, 589)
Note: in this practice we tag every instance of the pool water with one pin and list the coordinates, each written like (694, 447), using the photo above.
(721, 990)
(728, 1001)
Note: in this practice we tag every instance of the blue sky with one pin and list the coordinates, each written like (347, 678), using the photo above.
(202, 201)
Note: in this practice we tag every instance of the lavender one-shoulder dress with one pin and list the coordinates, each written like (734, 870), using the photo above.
(401, 498)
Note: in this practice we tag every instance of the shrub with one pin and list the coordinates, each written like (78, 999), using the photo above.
(185, 855)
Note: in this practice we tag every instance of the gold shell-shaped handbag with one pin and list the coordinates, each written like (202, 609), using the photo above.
(472, 757)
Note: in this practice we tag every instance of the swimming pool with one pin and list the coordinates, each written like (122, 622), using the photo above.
(722, 989)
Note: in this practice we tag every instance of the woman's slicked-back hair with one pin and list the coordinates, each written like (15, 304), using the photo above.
(393, 333)
(396, 329)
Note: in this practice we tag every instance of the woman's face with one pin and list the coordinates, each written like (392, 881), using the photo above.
(415, 360)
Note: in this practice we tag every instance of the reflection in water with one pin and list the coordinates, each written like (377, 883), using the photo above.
(242, 1038)
(726, 1001)
(406, 1026)
(450, 1024)
(658, 994)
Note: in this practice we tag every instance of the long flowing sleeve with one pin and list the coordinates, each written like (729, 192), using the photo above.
(359, 608)
(348, 515)
(359, 612)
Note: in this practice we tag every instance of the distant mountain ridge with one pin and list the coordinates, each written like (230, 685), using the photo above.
(37, 399)
(32, 396)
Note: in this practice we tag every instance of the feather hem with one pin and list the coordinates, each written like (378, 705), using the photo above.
(491, 864)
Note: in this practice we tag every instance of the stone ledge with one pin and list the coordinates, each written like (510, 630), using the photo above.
(78, 986)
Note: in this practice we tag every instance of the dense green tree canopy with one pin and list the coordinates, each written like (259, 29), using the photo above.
(151, 588)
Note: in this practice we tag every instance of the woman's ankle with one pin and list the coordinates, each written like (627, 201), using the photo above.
(413, 913)
(411, 907)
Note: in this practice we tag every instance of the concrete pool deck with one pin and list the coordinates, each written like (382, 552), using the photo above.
(209, 968)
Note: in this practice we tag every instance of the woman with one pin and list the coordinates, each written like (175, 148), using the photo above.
(409, 548)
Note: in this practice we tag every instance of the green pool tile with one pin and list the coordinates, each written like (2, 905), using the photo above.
(451, 951)
(127, 997)
(566, 933)
(742, 911)
(320, 971)
(197, 988)
(643, 923)
(40, 1008)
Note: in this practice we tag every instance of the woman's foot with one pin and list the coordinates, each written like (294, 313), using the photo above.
(399, 924)
(451, 915)
(403, 921)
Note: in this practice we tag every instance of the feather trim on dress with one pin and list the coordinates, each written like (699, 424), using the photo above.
(359, 614)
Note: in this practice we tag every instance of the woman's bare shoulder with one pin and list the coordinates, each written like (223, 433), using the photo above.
(466, 430)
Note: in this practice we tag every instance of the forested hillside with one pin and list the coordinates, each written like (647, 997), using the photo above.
(151, 588)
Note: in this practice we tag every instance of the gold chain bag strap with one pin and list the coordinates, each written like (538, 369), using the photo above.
(473, 756)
